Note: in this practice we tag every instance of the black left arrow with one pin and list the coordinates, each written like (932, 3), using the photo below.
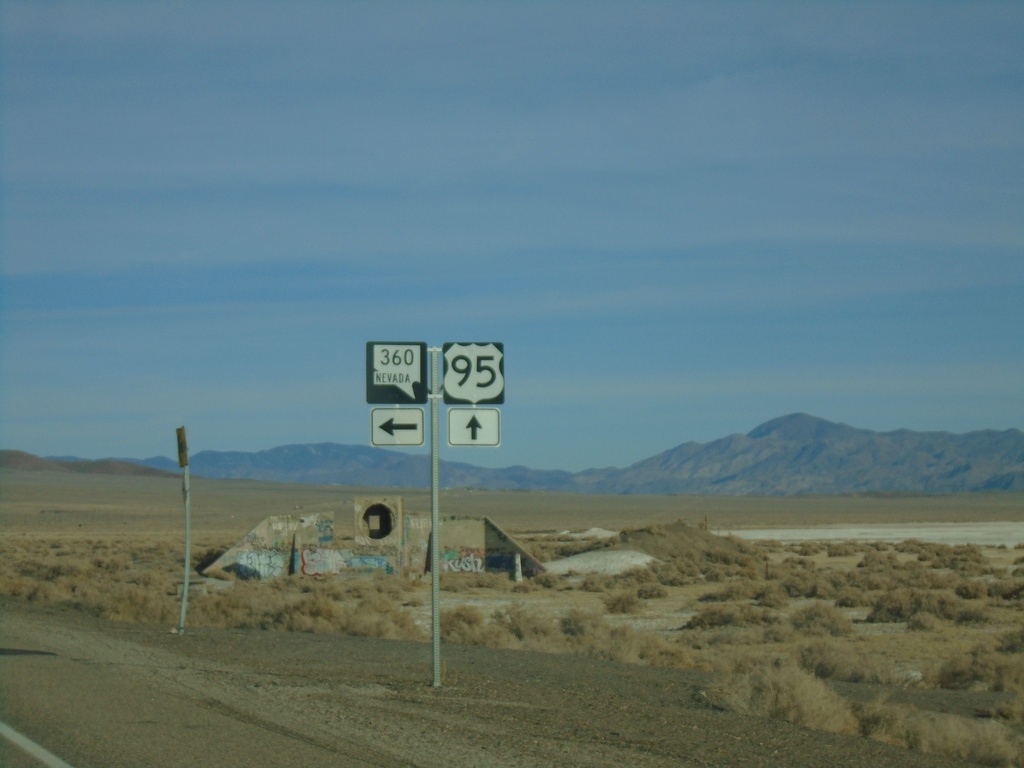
(474, 426)
(389, 426)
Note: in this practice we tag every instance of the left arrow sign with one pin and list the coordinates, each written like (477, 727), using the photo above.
(390, 426)
(396, 426)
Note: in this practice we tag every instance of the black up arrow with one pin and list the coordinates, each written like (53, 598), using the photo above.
(474, 426)
(389, 426)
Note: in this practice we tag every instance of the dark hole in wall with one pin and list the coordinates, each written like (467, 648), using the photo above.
(379, 521)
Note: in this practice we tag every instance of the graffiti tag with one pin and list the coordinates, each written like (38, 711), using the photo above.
(260, 564)
(463, 561)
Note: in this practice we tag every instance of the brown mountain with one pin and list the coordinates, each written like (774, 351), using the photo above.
(795, 454)
(30, 463)
(805, 454)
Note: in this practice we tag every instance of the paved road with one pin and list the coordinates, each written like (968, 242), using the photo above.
(96, 701)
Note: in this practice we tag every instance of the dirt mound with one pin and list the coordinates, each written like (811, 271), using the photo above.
(678, 540)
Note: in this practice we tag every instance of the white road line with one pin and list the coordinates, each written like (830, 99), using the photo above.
(40, 754)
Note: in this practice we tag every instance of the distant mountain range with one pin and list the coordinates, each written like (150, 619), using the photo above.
(795, 454)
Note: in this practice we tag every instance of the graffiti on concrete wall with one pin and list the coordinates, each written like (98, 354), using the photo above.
(371, 561)
(316, 561)
(325, 529)
(260, 564)
(463, 561)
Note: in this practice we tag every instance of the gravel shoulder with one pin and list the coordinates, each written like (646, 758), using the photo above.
(108, 694)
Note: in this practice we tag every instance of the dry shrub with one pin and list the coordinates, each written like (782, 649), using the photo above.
(459, 624)
(622, 601)
(137, 604)
(981, 668)
(631, 579)
(312, 612)
(786, 692)
(808, 548)
(987, 743)
(736, 590)
(545, 580)
(590, 634)
(901, 604)
(577, 632)
(1008, 675)
(378, 617)
(466, 625)
(842, 549)
(113, 563)
(827, 661)
(676, 573)
(44, 592)
(533, 630)
(972, 614)
(1006, 589)
(690, 554)
(877, 561)
(922, 621)
(972, 589)
(243, 606)
(967, 559)
(652, 591)
(729, 616)
(366, 607)
(821, 619)
(851, 597)
(635, 577)
(626, 645)
(596, 582)
(962, 672)
(463, 582)
(808, 583)
(772, 596)
(778, 633)
(1012, 641)
(1012, 710)
(96, 577)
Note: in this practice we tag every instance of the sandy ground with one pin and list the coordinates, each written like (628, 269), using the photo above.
(608, 561)
(120, 696)
(982, 534)
(107, 694)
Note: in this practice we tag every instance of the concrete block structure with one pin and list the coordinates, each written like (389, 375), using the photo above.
(385, 538)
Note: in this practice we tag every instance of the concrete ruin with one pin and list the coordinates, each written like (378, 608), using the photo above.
(385, 539)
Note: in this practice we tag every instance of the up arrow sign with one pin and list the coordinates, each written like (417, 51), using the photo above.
(474, 427)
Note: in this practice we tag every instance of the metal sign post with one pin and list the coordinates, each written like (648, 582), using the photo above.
(185, 492)
(435, 518)
(396, 373)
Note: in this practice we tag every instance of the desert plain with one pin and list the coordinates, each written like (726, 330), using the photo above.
(829, 644)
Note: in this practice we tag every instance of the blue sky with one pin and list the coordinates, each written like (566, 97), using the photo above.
(681, 219)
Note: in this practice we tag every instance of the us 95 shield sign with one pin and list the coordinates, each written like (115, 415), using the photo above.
(396, 372)
(474, 373)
